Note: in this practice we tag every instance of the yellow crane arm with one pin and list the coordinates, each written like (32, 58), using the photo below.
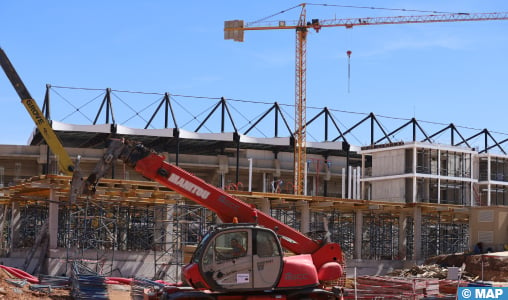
(65, 163)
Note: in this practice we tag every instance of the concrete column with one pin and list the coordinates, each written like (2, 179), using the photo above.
(472, 201)
(415, 158)
(53, 219)
(276, 167)
(358, 235)
(3, 223)
(343, 191)
(362, 182)
(264, 206)
(250, 175)
(417, 233)
(349, 171)
(122, 237)
(162, 233)
(353, 192)
(168, 224)
(426, 190)
(304, 216)
(305, 180)
(489, 176)
(439, 176)
(358, 180)
(15, 224)
(402, 236)
(473, 229)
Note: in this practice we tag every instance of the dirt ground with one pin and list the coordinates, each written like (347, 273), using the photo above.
(9, 291)
(487, 267)
(12, 291)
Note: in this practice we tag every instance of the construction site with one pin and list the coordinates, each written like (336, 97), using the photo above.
(429, 196)
(389, 205)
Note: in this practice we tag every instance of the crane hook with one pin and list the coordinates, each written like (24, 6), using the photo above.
(348, 69)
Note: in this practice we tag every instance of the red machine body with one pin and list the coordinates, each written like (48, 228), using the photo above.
(313, 263)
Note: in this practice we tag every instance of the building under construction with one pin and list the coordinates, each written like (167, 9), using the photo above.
(393, 201)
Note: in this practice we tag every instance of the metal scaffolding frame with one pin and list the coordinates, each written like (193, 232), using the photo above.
(380, 236)
(90, 235)
(287, 213)
(342, 229)
(184, 226)
(442, 236)
(409, 237)
(340, 225)
(94, 229)
(5, 229)
(32, 219)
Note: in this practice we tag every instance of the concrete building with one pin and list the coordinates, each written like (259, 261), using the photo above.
(386, 204)
(396, 204)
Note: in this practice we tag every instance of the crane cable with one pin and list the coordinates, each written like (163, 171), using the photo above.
(348, 70)
(273, 15)
(382, 8)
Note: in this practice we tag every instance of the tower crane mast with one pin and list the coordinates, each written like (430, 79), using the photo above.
(234, 30)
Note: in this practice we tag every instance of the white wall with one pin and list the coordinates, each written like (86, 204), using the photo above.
(390, 162)
(389, 190)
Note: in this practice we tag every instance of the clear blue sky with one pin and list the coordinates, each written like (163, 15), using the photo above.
(445, 72)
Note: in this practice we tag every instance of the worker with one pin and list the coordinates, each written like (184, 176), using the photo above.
(277, 185)
(478, 248)
(237, 249)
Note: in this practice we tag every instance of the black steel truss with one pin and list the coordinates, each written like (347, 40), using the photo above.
(378, 134)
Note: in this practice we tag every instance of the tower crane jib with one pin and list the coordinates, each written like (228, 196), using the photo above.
(234, 30)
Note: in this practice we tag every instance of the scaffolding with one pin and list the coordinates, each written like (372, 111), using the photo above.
(142, 220)
(287, 213)
(340, 227)
(183, 226)
(90, 231)
(380, 237)
(32, 219)
(409, 233)
(93, 232)
(5, 229)
(441, 235)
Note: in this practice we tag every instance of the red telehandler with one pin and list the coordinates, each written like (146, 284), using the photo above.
(240, 260)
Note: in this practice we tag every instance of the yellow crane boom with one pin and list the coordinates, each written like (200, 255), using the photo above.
(65, 163)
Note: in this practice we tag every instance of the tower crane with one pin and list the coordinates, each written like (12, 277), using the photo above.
(234, 30)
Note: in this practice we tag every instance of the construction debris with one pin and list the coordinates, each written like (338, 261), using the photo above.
(370, 287)
(485, 267)
(141, 287)
(430, 271)
(490, 268)
(59, 287)
(15, 288)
